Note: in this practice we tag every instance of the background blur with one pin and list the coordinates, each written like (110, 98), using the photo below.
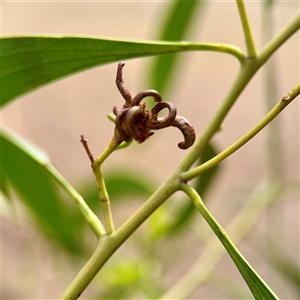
(54, 116)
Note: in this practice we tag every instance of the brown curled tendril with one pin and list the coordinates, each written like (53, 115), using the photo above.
(187, 130)
(134, 121)
(121, 86)
(140, 96)
(166, 121)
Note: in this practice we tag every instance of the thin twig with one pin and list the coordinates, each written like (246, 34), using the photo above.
(251, 51)
(245, 138)
(84, 141)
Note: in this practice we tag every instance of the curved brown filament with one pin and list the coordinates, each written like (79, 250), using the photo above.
(187, 130)
(165, 121)
(121, 86)
(140, 96)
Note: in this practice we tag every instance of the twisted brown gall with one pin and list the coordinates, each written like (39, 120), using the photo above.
(134, 121)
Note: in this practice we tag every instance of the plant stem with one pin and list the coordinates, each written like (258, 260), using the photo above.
(104, 197)
(285, 33)
(109, 244)
(88, 272)
(246, 72)
(251, 52)
(242, 141)
(242, 79)
(88, 214)
(214, 47)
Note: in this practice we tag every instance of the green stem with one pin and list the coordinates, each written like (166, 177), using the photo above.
(88, 214)
(284, 34)
(214, 47)
(104, 197)
(251, 52)
(246, 72)
(109, 244)
(243, 77)
(186, 176)
(103, 251)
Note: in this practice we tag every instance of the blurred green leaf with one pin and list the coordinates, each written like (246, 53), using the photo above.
(119, 184)
(175, 28)
(30, 62)
(25, 168)
(125, 276)
(4, 187)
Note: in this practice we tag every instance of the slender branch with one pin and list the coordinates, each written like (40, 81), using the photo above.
(84, 142)
(214, 47)
(88, 214)
(108, 244)
(104, 250)
(245, 74)
(287, 99)
(97, 169)
(104, 197)
(251, 51)
(292, 26)
(242, 79)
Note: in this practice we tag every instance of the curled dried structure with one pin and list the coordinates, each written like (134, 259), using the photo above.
(134, 121)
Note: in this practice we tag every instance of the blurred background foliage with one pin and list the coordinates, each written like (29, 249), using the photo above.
(174, 239)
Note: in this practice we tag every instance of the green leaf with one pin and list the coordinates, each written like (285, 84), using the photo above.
(30, 62)
(24, 166)
(125, 276)
(175, 28)
(256, 284)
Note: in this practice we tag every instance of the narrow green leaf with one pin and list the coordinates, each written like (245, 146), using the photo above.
(30, 62)
(259, 289)
(175, 28)
(24, 166)
(256, 284)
